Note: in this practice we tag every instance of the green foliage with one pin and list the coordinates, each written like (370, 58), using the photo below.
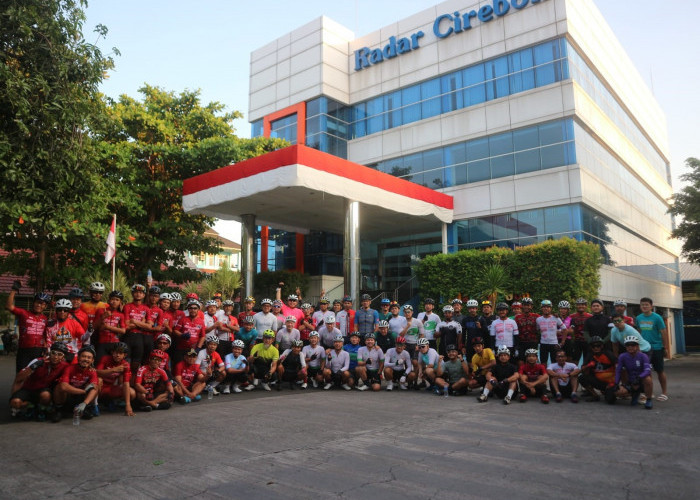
(562, 269)
(225, 280)
(51, 194)
(121, 283)
(266, 283)
(686, 204)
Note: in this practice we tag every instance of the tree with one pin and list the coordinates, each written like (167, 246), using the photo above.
(148, 148)
(686, 204)
(50, 191)
(225, 281)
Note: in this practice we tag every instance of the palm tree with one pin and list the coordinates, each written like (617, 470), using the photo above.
(494, 282)
(225, 280)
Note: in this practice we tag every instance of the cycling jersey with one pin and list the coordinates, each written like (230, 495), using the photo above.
(565, 369)
(533, 371)
(81, 317)
(187, 372)
(248, 336)
(398, 361)
(430, 321)
(264, 352)
(115, 378)
(372, 358)
(319, 317)
(45, 376)
(429, 358)
(366, 320)
(338, 361)
(204, 359)
(263, 322)
(527, 327)
(352, 350)
(385, 342)
(578, 320)
(503, 371)
(111, 318)
(345, 321)
(327, 337)
(285, 337)
(604, 366)
(504, 331)
(450, 333)
(636, 365)
(483, 359)
(313, 355)
(148, 378)
(548, 327)
(236, 363)
(598, 324)
(32, 328)
(136, 312)
(414, 332)
(195, 327)
(92, 310)
(396, 325)
(68, 332)
(79, 377)
(453, 370)
(291, 361)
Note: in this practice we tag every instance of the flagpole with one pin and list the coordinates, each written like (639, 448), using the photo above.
(114, 259)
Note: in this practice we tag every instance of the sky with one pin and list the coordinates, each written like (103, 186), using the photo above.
(206, 45)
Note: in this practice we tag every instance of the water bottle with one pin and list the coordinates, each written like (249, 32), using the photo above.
(210, 393)
(446, 391)
(76, 417)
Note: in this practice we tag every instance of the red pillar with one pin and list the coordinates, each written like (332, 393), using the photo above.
(264, 244)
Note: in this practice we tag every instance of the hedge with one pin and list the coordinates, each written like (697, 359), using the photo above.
(563, 269)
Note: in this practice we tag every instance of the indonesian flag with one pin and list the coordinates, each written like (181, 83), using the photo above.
(111, 241)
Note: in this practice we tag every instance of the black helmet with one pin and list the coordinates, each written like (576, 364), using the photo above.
(502, 305)
(60, 347)
(451, 347)
(138, 287)
(43, 297)
(595, 339)
(75, 293)
(154, 290)
(120, 347)
(117, 294)
(87, 348)
(429, 301)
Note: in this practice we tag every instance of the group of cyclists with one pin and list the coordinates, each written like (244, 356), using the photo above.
(151, 352)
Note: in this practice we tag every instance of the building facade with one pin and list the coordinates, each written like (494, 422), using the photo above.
(528, 112)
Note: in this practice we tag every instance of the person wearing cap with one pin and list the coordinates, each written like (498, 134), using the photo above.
(189, 377)
(633, 374)
(504, 332)
(152, 385)
(323, 311)
(328, 332)
(384, 312)
(287, 334)
(315, 357)
(397, 322)
(114, 382)
(345, 319)
(77, 387)
(370, 365)
(76, 298)
(263, 358)
(248, 306)
(66, 330)
(528, 335)
(383, 338)
(576, 338)
(597, 325)
(653, 329)
(398, 366)
(137, 326)
(430, 321)
(189, 332)
(453, 373)
(292, 366)
(35, 383)
(32, 327)
(549, 328)
(620, 307)
(366, 318)
(598, 370)
(482, 361)
(457, 306)
(563, 378)
(337, 370)
(472, 327)
(449, 331)
(153, 296)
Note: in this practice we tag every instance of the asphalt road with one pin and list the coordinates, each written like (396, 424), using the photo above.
(337, 444)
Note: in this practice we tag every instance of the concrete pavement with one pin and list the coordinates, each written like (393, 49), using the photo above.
(335, 444)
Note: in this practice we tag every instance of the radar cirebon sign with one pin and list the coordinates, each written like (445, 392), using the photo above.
(444, 26)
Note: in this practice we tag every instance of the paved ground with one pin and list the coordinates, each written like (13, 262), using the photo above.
(317, 444)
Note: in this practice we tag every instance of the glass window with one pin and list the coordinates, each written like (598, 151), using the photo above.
(552, 133)
(452, 97)
(479, 170)
(313, 107)
(553, 156)
(530, 222)
(481, 229)
(500, 144)
(526, 138)
(256, 128)
(502, 166)
(430, 92)
(410, 98)
(475, 89)
(558, 220)
(527, 161)
(477, 149)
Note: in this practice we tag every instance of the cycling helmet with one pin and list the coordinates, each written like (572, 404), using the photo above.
(120, 347)
(370, 335)
(595, 339)
(306, 305)
(486, 303)
(276, 303)
(324, 300)
(249, 298)
(501, 305)
(339, 338)
(546, 302)
(383, 324)
(290, 318)
(429, 301)
(165, 296)
(564, 304)
(330, 319)
(262, 302)
(194, 302)
(527, 300)
(451, 347)
(337, 301)
(42, 297)
(227, 303)
(385, 301)
(217, 295)
(156, 353)
(422, 341)
(212, 338)
(597, 301)
(313, 333)
(472, 303)
(249, 319)
(97, 287)
(581, 300)
(448, 308)
(238, 343)
(291, 296)
(355, 334)
(458, 301)
(631, 339)
(75, 293)
(394, 304)
(530, 351)
(117, 294)
(164, 336)
(477, 340)
(138, 288)
(347, 299)
(365, 296)
(60, 347)
(269, 333)
(400, 340)
(298, 343)
(87, 348)
(516, 304)
(211, 303)
(408, 307)
(192, 296)
(502, 349)
(154, 290)
(175, 296)
(620, 302)
(64, 304)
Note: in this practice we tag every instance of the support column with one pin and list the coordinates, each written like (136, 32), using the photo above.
(264, 247)
(444, 237)
(351, 251)
(248, 252)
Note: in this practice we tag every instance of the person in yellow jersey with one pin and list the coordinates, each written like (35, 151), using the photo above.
(263, 358)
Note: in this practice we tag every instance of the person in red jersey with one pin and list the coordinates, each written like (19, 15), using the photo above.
(163, 343)
(32, 327)
(76, 298)
(77, 388)
(211, 365)
(175, 303)
(189, 378)
(92, 308)
(138, 329)
(110, 324)
(158, 317)
(527, 328)
(189, 332)
(66, 330)
(36, 382)
(533, 378)
(153, 296)
(153, 388)
(248, 305)
(114, 375)
(577, 345)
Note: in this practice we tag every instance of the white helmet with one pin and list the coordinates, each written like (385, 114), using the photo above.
(97, 287)
(330, 319)
(383, 324)
(211, 303)
(503, 349)
(631, 339)
(165, 336)
(238, 343)
(266, 301)
(166, 296)
(448, 308)
(212, 338)
(306, 305)
(290, 318)
(620, 302)
(339, 338)
(423, 341)
(531, 351)
(564, 304)
(313, 334)
(472, 303)
(175, 296)
(64, 304)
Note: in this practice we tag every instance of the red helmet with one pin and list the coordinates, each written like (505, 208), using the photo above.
(400, 340)
(157, 353)
(193, 296)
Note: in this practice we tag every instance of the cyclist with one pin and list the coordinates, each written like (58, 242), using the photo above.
(487, 317)
(265, 319)
(366, 318)
(249, 335)
(153, 387)
(398, 366)
(307, 324)
(533, 378)
(236, 369)
(635, 367)
(211, 365)
(482, 362)
(76, 298)
(472, 327)
(77, 388)
(396, 323)
(114, 374)
(527, 327)
(92, 307)
(505, 331)
(328, 332)
(248, 305)
(516, 308)
(598, 324)
(263, 358)
(370, 364)
(453, 374)
(384, 313)
(449, 331)
(163, 342)
(428, 363)
(619, 308)
(190, 380)
(189, 332)
(292, 366)
(137, 326)
(110, 324)
(337, 369)
(345, 319)
(502, 378)
(66, 330)
(287, 334)
(577, 344)
(457, 306)
(563, 379)
(315, 357)
(412, 332)
(430, 321)
(549, 328)
(319, 316)
(352, 349)
(598, 370)
(653, 329)
(32, 327)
